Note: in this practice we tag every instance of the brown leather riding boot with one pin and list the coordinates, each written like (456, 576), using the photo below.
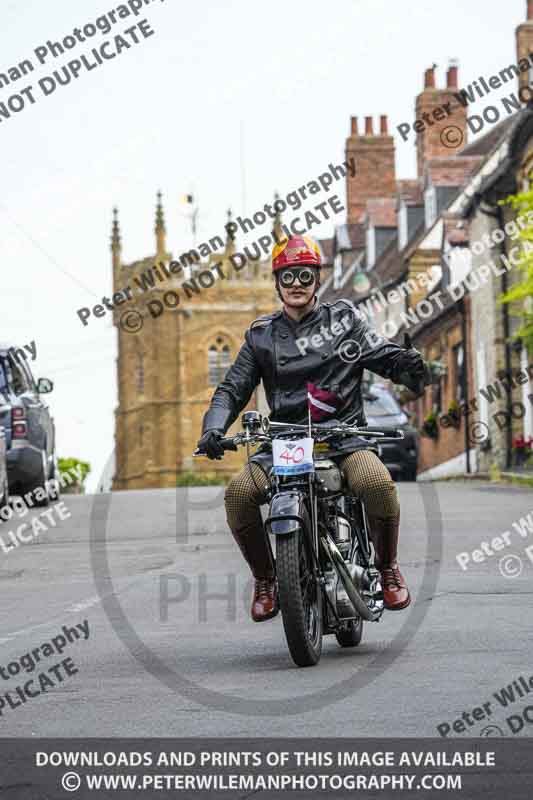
(384, 534)
(256, 551)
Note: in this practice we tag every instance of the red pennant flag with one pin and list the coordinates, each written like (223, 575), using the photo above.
(322, 404)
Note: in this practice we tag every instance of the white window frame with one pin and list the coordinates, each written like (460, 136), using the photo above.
(337, 271)
(370, 246)
(526, 391)
(430, 206)
(403, 226)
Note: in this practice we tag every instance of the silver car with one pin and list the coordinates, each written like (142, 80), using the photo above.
(30, 430)
(4, 491)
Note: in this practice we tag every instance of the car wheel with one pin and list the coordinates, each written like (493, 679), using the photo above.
(40, 483)
(4, 497)
(54, 476)
(409, 474)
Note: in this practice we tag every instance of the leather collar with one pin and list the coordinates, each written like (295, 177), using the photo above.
(315, 311)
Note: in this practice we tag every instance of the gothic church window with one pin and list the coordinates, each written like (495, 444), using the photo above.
(218, 361)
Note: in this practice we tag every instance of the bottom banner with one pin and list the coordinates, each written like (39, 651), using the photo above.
(273, 768)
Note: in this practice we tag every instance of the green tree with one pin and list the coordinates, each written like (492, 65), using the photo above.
(66, 464)
(522, 292)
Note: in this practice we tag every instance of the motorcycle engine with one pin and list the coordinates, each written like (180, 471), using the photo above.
(342, 534)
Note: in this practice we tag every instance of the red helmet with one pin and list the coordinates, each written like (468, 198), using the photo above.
(294, 252)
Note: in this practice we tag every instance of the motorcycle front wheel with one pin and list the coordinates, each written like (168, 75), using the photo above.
(300, 598)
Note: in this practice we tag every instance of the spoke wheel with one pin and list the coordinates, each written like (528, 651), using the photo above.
(300, 599)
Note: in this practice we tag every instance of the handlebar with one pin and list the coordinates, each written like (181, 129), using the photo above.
(232, 442)
(228, 443)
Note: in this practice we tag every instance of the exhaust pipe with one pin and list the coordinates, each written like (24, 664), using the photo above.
(351, 589)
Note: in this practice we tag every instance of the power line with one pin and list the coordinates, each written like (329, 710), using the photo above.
(45, 253)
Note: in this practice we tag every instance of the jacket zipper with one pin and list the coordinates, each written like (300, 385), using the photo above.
(275, 370)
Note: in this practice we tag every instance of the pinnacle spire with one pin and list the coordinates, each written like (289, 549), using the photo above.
(115, 231)
(231, 233)
(230, 238)
(160, 230)
(278, 230)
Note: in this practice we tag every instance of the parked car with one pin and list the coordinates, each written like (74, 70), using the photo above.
(383, 411)
(4, 486)
(29, 426)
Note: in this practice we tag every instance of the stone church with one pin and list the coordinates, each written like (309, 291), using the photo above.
(167, 371)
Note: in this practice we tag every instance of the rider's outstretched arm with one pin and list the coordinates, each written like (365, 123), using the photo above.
(386, 358)
(234, 392)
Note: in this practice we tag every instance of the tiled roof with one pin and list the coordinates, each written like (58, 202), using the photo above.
(326, 248)
(381, 213)
(445, 305)
(505, 139)
(415, 240)
(410, 191)
(389, 264)
(486, 143)
(356, 232)
(329, 295)
(350, 236)
(451, 170)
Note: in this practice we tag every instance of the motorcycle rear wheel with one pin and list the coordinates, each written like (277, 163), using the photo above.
(300, 598)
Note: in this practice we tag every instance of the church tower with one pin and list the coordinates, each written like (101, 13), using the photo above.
(174, 347)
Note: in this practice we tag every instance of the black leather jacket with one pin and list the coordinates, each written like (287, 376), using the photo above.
(270, 353)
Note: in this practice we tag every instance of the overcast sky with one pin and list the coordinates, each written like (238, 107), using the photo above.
(228, 100)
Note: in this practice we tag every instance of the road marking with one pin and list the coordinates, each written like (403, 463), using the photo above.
(73, 609)
(92, 601)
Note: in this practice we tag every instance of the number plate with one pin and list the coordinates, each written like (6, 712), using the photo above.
(293, 457)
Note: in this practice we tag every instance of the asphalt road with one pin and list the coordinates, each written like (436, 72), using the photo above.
(167, 657)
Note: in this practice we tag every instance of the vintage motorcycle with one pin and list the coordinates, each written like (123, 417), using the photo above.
(324, 560)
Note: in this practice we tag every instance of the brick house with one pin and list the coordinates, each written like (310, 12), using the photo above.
(441, 216)
(500, 361)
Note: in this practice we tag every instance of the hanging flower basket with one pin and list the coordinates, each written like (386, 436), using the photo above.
(454, 415)
(430, 427)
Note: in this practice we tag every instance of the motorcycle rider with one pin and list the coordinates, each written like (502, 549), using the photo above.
(339, 345)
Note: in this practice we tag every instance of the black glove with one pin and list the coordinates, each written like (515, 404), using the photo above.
(412, 362)
(414, 372)
(210, 444)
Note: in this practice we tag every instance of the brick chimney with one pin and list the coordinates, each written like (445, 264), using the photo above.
(524, 44)
(375, 173)
(445, 134)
